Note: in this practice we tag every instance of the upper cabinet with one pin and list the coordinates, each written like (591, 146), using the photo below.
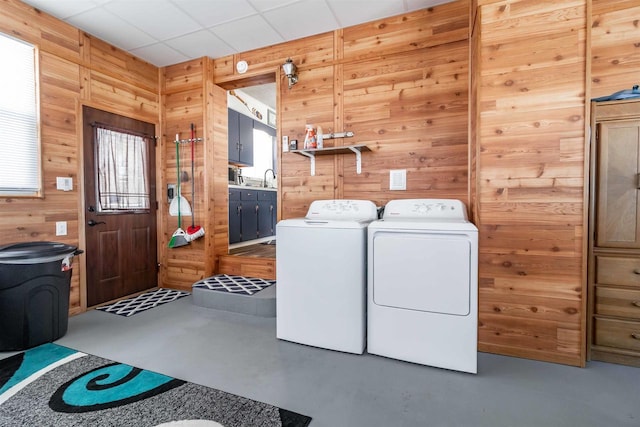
(240, 139)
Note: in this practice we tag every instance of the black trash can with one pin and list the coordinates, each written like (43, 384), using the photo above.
(34, 293)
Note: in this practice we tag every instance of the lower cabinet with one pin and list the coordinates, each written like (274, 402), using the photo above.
(266, 213)
(252, 214)
(235, 218)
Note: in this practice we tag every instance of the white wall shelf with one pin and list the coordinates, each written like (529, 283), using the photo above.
(345, 149)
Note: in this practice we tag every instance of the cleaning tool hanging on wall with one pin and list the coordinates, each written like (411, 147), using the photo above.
(179, 205)
(193, 231)
(179, 237)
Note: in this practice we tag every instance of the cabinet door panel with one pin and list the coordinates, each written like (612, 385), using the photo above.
(233, 136)
(246, 139)
(265, 209)
(235, 224)
(618, 201)
(249, 220)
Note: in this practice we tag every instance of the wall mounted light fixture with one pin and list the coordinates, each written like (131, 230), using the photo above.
(290, 70)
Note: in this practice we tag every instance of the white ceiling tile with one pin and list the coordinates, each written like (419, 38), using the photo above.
(248, 33)
(313, 17)
(353, 12)
(108, 27)
(160, 19)
(159, 55)
(209, 13)
(199, 44)
(264, 5)
(63, 9)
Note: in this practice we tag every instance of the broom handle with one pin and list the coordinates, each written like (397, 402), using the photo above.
(178, 168)
(193, 178)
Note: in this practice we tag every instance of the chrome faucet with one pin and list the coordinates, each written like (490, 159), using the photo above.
(264, 180)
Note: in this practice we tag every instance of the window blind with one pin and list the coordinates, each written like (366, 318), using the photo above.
(19, 142)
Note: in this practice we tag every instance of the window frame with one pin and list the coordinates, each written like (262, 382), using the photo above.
(39, 191)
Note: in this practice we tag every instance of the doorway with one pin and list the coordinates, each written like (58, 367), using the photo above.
(120, 198)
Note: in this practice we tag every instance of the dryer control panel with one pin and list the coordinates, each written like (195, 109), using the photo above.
(447, 209)
(357, 210)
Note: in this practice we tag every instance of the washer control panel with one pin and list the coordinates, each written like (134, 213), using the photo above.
(425, 209)
(356, 210)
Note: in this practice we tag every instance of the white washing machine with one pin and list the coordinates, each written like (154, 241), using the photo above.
(321, 275)
(423, 284)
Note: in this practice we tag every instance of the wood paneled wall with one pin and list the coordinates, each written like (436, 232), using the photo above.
(531, 178)
(188, 96)
(399, 84)
(75, 69)
(615, 46)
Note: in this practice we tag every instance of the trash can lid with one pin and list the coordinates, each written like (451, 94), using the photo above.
(34, 252)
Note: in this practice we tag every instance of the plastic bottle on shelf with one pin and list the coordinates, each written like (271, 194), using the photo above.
(310, 141)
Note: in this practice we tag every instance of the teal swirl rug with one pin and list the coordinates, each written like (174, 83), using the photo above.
(51, 385)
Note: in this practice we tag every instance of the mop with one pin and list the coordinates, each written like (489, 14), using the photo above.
(193, 231)
(179, 237)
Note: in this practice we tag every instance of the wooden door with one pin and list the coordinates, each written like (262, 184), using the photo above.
(121, 243)
(618, 204)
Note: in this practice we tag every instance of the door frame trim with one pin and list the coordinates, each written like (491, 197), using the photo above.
(80, 187)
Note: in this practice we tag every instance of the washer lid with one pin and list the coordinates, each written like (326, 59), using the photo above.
(340, 210)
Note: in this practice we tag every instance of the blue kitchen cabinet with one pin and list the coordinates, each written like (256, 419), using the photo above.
(252, 214)
(266, 213)
(240, 138)
(249, 206)
(235, 216)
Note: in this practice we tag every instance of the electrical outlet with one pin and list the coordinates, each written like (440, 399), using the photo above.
(61, 228)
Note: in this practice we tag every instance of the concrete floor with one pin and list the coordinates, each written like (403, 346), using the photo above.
(240, 354)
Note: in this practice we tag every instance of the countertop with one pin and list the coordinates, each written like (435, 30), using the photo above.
(244, 187)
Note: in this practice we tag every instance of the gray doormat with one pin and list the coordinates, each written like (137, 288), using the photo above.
(51, 385)
(130, 306)
(234, 284)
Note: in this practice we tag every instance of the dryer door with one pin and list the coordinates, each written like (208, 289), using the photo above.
(422, 271)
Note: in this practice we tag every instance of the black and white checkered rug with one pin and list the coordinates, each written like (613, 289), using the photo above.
(129, 307)
(234, 284)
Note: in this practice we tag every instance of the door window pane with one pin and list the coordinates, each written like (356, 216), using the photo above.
(122, 171)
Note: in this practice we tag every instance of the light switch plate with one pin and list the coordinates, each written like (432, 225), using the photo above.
(398, 179)
(64, 183)
(285, 143)
(61, 228)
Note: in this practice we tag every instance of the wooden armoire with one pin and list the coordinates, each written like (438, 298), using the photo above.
(614, 233)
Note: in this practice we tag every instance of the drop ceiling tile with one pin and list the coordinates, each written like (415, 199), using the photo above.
(353, 12)
(312, 17)
(248, 33)
(62, 9)
(159, 55)
(209, 13)
(160, 19)
(199, 44)
(110, 28)
(264, 5)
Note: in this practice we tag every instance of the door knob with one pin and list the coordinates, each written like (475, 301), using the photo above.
(93, 223)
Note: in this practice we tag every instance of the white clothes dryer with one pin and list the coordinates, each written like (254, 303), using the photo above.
(423, 284)
(321, 281)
